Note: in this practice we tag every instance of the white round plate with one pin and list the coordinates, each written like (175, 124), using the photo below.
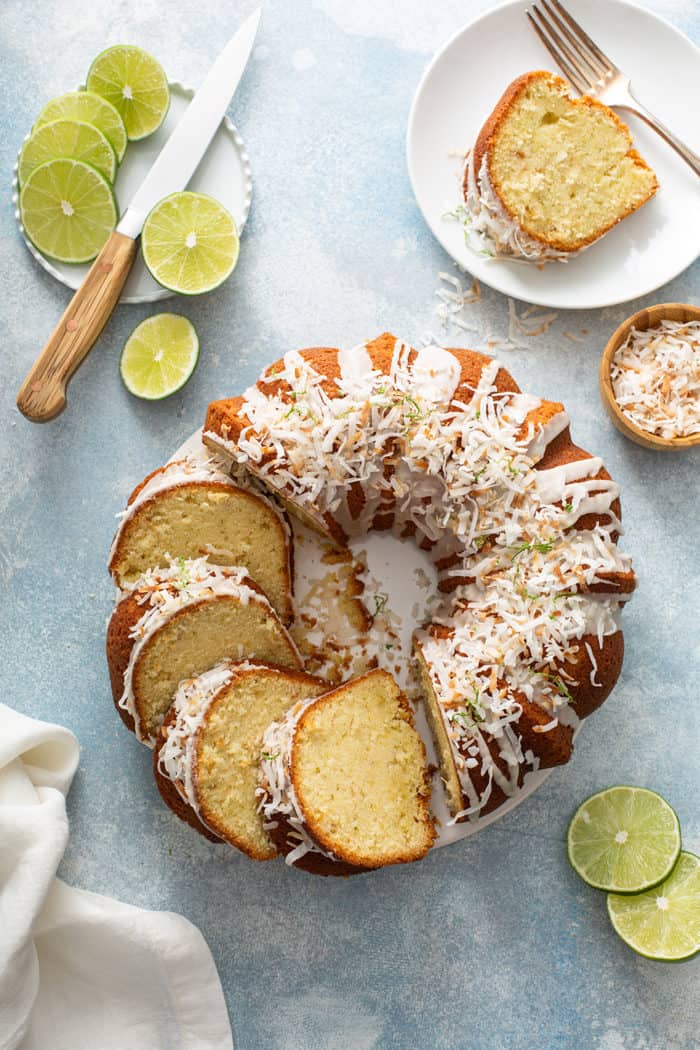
(223, 173)
(462, 85)
(398, 565)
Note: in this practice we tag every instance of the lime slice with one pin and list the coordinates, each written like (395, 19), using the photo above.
(68, 210)
(67, 138)
(663, 923)
(135, 84)
(189, 243)
(91, 109)
(624, 839)
(159, 356)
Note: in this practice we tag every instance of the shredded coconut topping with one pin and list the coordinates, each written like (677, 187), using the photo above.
(463, 477)
(164, 592)
(276, 791)
(656, 378)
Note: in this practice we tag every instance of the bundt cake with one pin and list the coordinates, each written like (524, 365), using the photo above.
(550, 174)
(206, 761)
(521, 524)
(344, 783)
(192, 509)
(179, 621)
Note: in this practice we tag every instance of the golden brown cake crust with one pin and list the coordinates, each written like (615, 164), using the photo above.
(489, 132)
(169, 793)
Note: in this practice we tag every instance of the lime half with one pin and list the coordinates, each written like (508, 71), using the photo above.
(91, 109)
(663, 923)
(67, 138)
(189, 243)
(135, 84)
(624, 839)
(68, 210)
(159, 356)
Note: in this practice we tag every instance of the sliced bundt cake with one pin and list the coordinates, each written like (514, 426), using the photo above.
(176, 623)
(192, 509)
(550, 174)
(207, 758)
(344, 784)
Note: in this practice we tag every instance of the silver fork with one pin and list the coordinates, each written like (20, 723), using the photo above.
(591, 71)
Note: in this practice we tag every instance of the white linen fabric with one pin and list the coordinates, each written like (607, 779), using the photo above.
(79, 971)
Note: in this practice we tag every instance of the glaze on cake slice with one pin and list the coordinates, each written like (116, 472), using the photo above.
(344, 784)
(550, 174)
(192, 509)
(178, 622)
(208, 753)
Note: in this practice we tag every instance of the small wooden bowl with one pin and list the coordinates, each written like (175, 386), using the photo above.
(650, 317)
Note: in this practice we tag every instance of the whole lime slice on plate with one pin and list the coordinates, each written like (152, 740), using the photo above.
(90, 108)
(624, 840)
(664, 922)
(159, 356)
(68, 210)
(135, 84)
(189, 243)
(67, 138)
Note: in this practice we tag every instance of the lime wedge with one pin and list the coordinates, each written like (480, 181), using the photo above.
(664, 922)
(159, 356)
(624, 839)
(135, 84)
(68, 210)
(189, 243)
(91, 109)
(67, 138)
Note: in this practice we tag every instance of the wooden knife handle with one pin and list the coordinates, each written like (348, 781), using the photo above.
(42, 395)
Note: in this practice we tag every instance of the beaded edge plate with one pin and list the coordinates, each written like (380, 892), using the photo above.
(224, 173)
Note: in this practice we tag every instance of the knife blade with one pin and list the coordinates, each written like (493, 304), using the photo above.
(175, 164)
(42, 395)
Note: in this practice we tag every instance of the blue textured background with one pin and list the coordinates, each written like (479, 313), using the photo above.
(492, 942)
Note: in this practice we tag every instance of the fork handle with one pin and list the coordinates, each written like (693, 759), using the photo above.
(691, 159)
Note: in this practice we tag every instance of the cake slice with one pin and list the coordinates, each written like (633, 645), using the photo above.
(176, 623)
(344, 784)
(207, 757)
(192, 509)
(550, 174)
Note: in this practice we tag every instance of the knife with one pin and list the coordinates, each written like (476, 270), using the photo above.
(42, 395)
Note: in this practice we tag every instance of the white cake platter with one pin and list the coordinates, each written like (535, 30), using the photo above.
(223, 172)
(404, 577)
(464, 82)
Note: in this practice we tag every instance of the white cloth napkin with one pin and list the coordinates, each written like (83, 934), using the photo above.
(79, 971)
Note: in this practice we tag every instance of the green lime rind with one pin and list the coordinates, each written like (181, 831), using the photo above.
(90, 108)
(624, 840)
(62, 139)
(662, 923)
(68, 210)
(190, 243)
(159, 357)
(135, 84)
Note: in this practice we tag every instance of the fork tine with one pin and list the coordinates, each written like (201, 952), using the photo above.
(590, 62)
(583, 38)
(558, 50)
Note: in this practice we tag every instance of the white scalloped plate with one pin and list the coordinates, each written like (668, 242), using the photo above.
(462, 85)
(395, 563)
(224, 173)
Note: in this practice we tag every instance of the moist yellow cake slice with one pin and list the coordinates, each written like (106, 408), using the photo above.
(550, 174)
(344, 783)
(207, 757)
(192, 509)
(176, 623)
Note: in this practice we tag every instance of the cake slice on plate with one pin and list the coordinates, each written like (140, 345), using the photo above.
(550, 174)
(208, 752)
(193, 509)
(178, 622)
(344, 782)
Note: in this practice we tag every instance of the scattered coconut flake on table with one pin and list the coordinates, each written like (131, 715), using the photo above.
(454, 297)
(656, 378)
